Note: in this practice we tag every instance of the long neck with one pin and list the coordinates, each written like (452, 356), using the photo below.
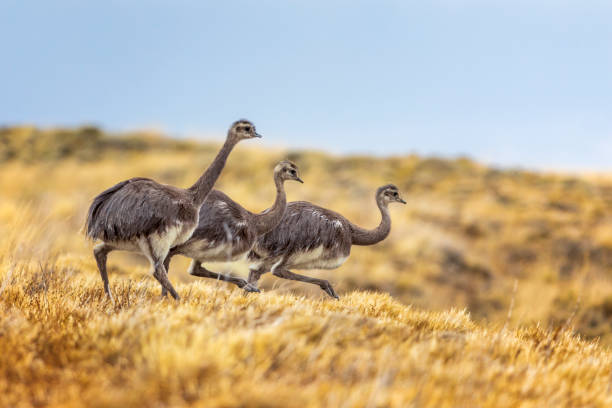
(270, 218)
(361, 236)
(204, 185)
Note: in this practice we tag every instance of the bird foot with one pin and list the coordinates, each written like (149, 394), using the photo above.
(330, 291)
(110, 297)
(250, 288)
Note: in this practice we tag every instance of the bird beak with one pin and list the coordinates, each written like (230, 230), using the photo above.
(299, 179)
(401, 200)
(257, 135)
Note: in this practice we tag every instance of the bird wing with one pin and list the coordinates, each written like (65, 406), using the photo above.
(136, 207)
(304, 227)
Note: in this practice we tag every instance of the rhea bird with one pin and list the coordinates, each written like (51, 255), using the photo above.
(312, 237)
(144, 216)
(227, 231)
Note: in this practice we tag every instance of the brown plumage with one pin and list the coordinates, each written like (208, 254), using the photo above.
(226, 231)
(144, 216)
(312, 237)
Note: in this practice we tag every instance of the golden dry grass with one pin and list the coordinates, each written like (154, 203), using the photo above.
(423, 318)
(64, 344)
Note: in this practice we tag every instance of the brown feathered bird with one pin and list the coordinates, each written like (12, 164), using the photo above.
(312, 237)
(142, 215)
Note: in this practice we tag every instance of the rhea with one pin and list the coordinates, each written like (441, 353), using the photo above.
(312, 237)
(227, 231)
(144, 216)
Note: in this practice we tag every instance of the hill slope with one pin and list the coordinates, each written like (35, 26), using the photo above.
(477, 241)
(467, 235)
(62, 343)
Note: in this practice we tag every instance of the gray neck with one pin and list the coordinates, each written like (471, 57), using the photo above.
(270, 218)
(361, 236)
(204, 185)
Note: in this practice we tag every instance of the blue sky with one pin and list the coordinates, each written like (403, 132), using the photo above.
(525, 83)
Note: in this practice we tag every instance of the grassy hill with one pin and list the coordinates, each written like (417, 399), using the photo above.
(62, 343)
(522, 260)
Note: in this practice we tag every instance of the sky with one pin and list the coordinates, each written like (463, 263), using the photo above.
(523, 83)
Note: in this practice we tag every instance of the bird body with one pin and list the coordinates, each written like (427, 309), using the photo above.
(154, 208)
(308, 237)
(222, 233)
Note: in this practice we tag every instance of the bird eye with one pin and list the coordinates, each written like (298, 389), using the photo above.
(395, 194)
(292, 172)
(247, 128)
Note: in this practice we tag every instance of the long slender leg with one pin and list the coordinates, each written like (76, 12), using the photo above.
(157, 265)
(101, 253)
(164, 292)
(195, 269)
(255, 274)
(159, 273)
(322, 283)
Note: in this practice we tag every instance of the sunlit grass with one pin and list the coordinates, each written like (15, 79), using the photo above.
(64, 343)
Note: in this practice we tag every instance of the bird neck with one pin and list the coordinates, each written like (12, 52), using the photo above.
(268, 219)
(205, 183)
(361, 236)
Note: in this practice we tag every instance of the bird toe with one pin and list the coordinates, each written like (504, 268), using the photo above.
(251, 288)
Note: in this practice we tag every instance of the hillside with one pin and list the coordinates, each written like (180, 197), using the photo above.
(479, 297)
(62, 343)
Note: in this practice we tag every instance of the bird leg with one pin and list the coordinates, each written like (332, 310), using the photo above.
(322, 283)
(164, 291)
(100, 253)
(255, 274)
(159, 273)
(195, 269)
(157, 265)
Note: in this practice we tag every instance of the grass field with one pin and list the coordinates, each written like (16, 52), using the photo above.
(492, 290)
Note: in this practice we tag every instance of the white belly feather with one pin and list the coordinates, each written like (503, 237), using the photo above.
(318, 258)
(211, 251)
(160, 243)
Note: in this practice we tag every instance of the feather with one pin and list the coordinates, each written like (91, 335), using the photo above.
(303, 228)
(137, 207)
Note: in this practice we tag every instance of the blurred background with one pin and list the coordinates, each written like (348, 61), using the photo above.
(508, 82)
(493, 118)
